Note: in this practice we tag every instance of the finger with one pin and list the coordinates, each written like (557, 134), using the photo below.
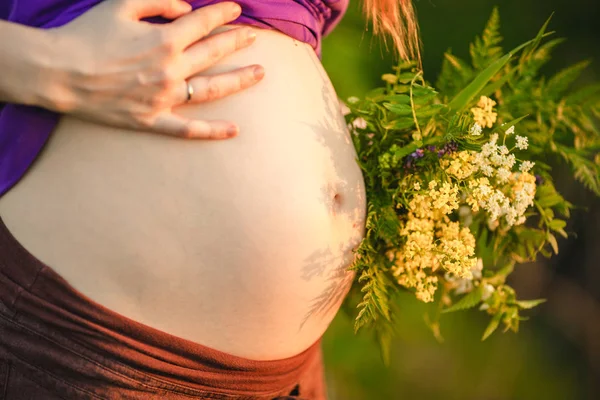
(194, 26)
(209, 51)
(208, 88)
(177, 126)
(138, 9)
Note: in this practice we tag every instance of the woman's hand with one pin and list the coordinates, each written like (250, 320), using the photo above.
(111, 68)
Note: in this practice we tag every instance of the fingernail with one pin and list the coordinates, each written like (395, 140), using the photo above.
(259, 72)
(250, 36)
(236, 10)
(232, 131)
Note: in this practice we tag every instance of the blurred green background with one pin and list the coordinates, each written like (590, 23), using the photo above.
(556, 354)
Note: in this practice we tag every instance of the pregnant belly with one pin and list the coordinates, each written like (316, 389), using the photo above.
(240, 245)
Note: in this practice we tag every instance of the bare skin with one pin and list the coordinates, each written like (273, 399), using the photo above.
(240, 245)
(109, 67)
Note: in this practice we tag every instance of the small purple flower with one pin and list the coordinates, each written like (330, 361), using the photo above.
(431, 148)
(451, 147)
(539, 180)
(410, 160)
(448, 148)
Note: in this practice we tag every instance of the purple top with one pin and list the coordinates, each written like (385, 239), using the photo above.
(25, 129)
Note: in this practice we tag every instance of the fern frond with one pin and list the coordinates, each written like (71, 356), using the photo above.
(485, 50)
(560, 82)
(585, 95)
(376, 299)
(588, 174)
(530, 66)
(585, 171)
(455, 75)
(470, 300)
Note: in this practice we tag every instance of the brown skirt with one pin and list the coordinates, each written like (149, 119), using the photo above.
(55, 343)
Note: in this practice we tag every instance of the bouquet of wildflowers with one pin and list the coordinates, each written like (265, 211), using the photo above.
(458, 186)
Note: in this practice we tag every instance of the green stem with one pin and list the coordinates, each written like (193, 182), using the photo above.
(412, 104)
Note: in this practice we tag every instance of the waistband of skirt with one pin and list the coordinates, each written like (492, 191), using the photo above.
(32, 288)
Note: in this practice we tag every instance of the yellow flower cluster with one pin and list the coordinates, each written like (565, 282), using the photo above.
(459, 165)
(433, 241)
(484, 114)
(444, 199)
(485, 182)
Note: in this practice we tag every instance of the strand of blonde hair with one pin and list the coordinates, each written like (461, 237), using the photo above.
(397, 19)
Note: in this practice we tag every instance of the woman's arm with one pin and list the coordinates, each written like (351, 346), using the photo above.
(23, 64)
(109, 67)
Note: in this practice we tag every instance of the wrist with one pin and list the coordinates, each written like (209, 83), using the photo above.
(18, 63)
(29, 65)
(51, 85)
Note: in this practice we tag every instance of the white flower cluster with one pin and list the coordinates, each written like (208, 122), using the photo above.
(476, 129)
(516, 191)
(495, 160)
(522, 143)
(526, 166)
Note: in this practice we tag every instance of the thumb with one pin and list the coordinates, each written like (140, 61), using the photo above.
(170, 9)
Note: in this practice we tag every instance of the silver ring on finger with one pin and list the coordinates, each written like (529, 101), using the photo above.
(190, 91)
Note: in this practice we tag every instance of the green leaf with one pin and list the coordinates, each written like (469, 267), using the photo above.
(384, 338)
(375, 301)
(376, 93)
(402, 64)
(399, 109)
(466, 95)
(557, 224)
(398, 98)
(550, 200)
(430, 110)
(470, 300)
(507, 269)
(492, 87)
(389, 78)
(533, 44)
(504, 127)
(561, 81)
(528, 304)
(420, 90)
(403, 151)
(493, 325)
(406, 77)
(583, 95)
(424, 99)
(552, 240)
(399, 124)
